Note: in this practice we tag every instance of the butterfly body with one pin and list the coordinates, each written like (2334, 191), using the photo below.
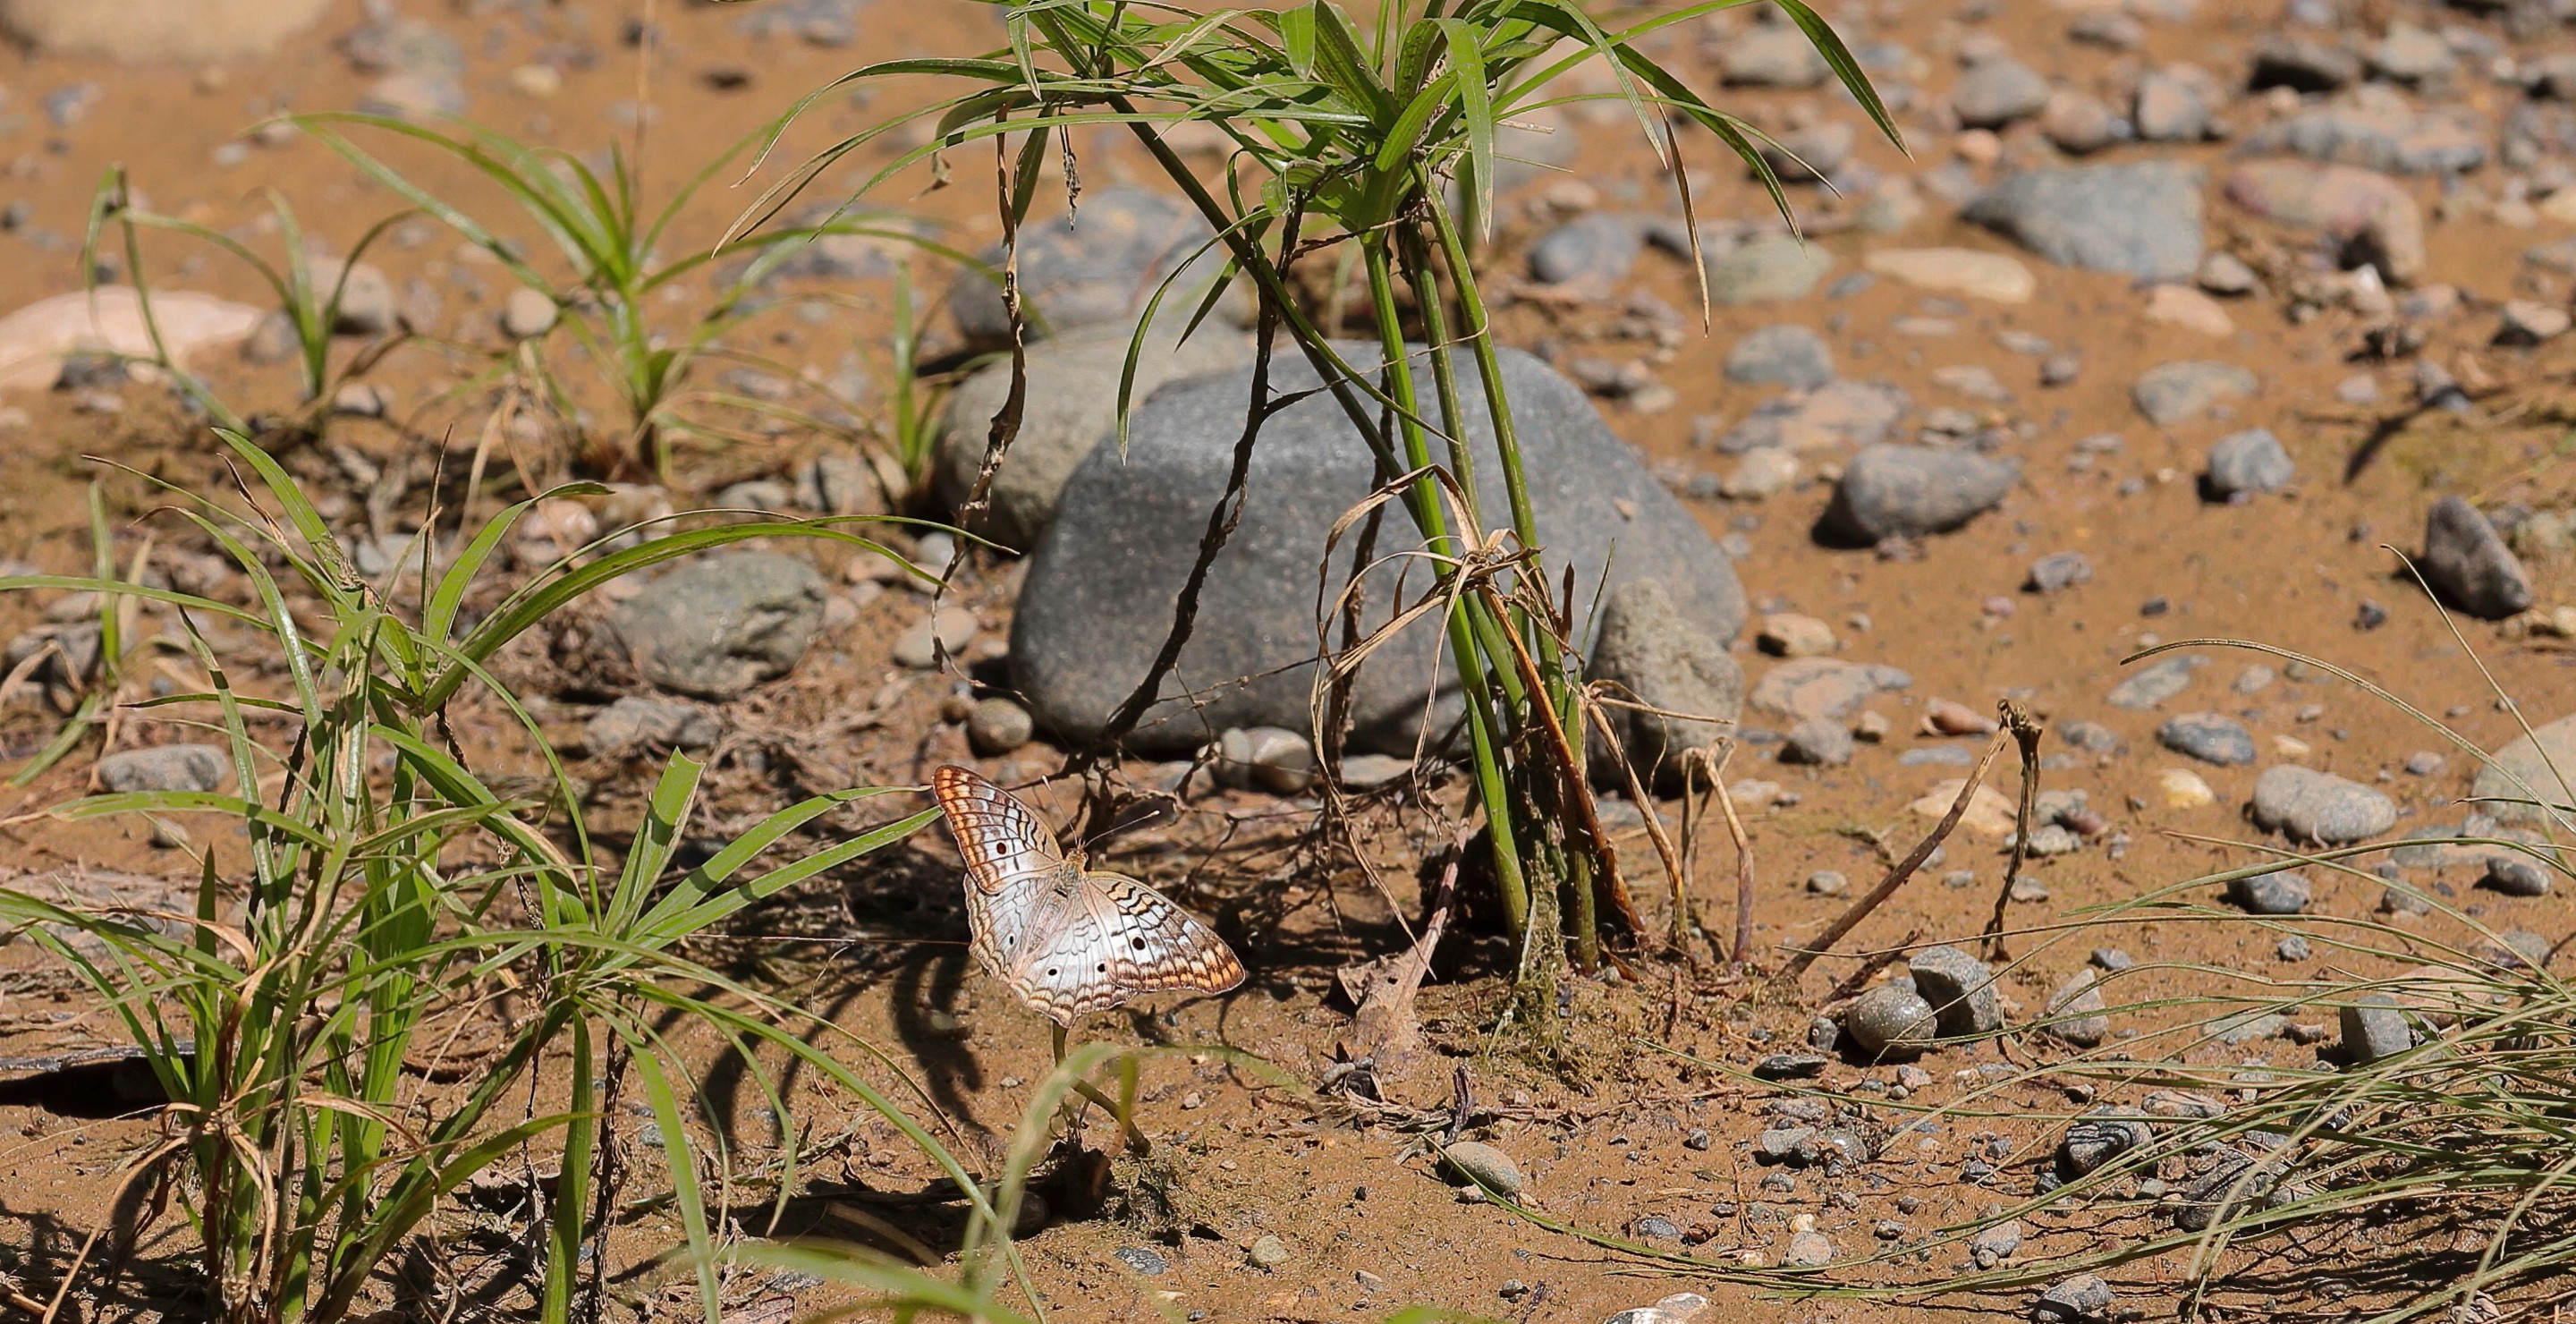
(1065, 939)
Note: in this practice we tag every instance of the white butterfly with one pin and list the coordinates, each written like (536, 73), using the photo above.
(1065, 939)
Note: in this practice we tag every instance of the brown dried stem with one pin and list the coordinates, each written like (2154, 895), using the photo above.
(1860, 910)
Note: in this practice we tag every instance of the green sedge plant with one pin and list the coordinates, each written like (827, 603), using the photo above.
(1353, 133)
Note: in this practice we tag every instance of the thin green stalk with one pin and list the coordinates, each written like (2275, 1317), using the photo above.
(572, 1195)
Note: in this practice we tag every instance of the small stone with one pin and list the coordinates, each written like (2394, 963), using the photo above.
(2171, 106)
(1765, 472)
(2079, 123)
(1997, 92)
(954, 629)
(2091, 737)
(1789, 634)
(157, 768)
(2058, 571)
(1268, 1252)
(721, 623)
(2514, 875)
(2302, 64)
(2110, 959)
(1819, 741)
(1785, 354)
(1960, 988)
(1473, 1162)
(2139, 218)
(2246, 462)
(1142, 1260)
(2081, 1298)
(2111, 29)
(2307, 805)
(1808, 1250)
(996, 726)
(2280, 893)
(2423, 763)
(2254, 679)
(2091, 1142)
(1822, 687)
(1891, 1021)
(2178, 392)
(1767, 268)
(641, 722)
(2291, 948)
(1772, 55)
(528, 314)
(2469, 564)
(2527, 323)
(1367, 772)
(1915, 491)
(1968, 271)
(1811, 154)
(1599, 248)
(2077, 1013)
(2225, 274)
(2210, 737)
(1273, 758)
(2153, 684)
(1996, 1244)
(2374, 1028)
(1827, 882)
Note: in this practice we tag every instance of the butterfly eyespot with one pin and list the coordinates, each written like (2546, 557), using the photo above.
(1139, 943)
(1050, 972)
(1104, 967)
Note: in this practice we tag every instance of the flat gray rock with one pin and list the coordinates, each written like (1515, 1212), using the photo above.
(1997, 92)
(166, 768)
(1783, 354)
(1825, 688)
(2179, 392)
(1912, 491)
(1767, 268)
(2278, 893)
(1599, 247)
(1960, 988)
(2140, 218)
(722, 623)
(2307, 805)
(2209, 737)
(1097, 600)
(2246, 463)
(2154, 683)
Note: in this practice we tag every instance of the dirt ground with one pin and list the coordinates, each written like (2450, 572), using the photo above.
(1627, 1132)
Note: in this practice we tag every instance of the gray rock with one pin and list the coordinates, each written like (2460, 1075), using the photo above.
(2110, 29)
(528, 314)
(271, 340)
(1996, 1244)
(1097, 599)
(2111, 959)
(2092, 737)
(1808, 1250)
(2170, 108)
(367, 303)
(1772, 55)
(2178, 392)
(2409, 54)
(1783, 354)
(1960, 988)
(2291, 948)
(1097, 266)
(1599, 247)
(1891, 1021)
(2374, 1028)
(2515, 875)
(2281, 893)
(2058, 571)
(920, 645)
(2227, 1190)
(995, 726)
(2092, 1142)
(1268, 1252)
(2076, 1012)
(2302, 64)
(2378, 137)
(1827, 882)
(1801, 156)
(1822, 687)
(1841, 413)
(2245, 463)
(1657, 657)
(1818, 741)
(1072, 405)
(1911, 491)
(640, 722)
(186, 33)
(2469, 565)
(1474, 1162)
(2140, 218)
(722, 623)
(2307, 805)
(1271, 758)
(2153, 684)
(1142, 1259)
(425, 95)
(2209, 737)
(1997, 92)
(1767, 268)
(2521, 774)
(2248, 1027)
(2080, 1298)
(2079, 123)
(165, 768)
(817, 22)
(2374, 216)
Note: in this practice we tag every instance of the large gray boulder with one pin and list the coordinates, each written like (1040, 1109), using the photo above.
(1072, 404)
(1098, 265)
(1099, 594)
(2526, 771)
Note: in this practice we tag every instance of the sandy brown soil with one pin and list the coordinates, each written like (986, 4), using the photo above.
(1367, 1225)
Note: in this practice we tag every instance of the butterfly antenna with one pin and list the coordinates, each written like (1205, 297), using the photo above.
(1143, 812)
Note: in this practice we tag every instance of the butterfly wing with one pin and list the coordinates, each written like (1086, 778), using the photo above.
(1155, 945)
(1012, 863)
